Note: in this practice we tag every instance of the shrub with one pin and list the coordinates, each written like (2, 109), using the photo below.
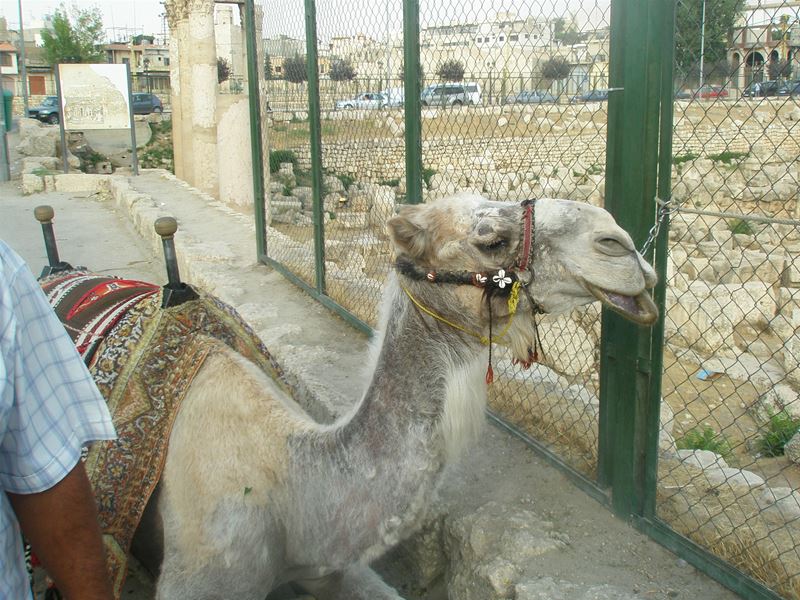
(342, 70)
(294, 69)
(390, 182)
(704, 439)
(682, 158)
(347, 180)
(728, 156)
(780, 429)
(426, 176)
(276, 157)
(741, 226)
(451, 70)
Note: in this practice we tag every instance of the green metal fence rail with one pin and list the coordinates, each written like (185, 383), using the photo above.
(647, 107)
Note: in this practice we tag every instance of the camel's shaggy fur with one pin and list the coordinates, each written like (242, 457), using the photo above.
(256, 494)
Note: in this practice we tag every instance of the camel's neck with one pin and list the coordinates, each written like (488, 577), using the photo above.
(384, 460)
(421, 366)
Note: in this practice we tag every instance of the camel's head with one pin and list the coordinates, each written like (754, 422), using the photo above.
(564, 254)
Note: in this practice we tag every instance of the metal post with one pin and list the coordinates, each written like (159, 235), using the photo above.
(631, 166)
(5, 166)
(412, 103)
(62, 115)
(134, 152)
(256, 145)
(312, 66)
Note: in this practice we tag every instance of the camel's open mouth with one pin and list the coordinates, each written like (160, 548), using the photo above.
(639, 309)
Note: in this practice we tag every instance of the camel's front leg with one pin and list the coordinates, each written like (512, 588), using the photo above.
(357, 582)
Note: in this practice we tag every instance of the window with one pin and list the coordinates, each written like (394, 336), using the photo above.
(5, 59)
(479, 40)
(513, 38)
(126, 61)
(502, 38)
(166, 61)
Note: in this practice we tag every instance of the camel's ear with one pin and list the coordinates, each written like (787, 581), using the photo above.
(408, 237)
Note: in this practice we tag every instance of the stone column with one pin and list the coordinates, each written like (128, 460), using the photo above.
(202, 119)
(177, 16)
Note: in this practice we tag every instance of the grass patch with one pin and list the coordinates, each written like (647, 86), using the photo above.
(728, 157)
(741, 226)
(682, 158)
(780, 429)
(704, 439)
(276, 157)
(390, 182)
(42, 172)
(347, 180)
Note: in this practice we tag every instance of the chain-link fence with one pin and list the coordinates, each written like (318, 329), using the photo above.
(728, 474)
(514, 104)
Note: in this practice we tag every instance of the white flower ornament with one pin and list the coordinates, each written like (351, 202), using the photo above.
(501, 279)
(481, 279)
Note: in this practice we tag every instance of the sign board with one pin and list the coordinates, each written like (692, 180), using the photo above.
(94, 96)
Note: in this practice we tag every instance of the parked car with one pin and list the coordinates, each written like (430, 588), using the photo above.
(532, 97)
(445, 94)
(790, 88)
(710, 91)
(144, 104)
(366, 100)
(473, 92)
(762, 89)
(591, 96)
(48, 111)
(395, 97)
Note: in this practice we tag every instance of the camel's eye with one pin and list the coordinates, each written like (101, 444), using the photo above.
(494, 245)
(612, 247)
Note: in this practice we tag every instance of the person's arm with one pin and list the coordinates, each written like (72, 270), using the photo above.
(61, 526)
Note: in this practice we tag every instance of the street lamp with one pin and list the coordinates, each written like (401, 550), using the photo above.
(23, 71)
(147, 74)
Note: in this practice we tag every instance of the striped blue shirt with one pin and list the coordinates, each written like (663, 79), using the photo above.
(49, 407)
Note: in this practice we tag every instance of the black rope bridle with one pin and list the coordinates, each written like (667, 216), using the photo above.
(499, 283)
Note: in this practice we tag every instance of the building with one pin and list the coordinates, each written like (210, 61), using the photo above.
(754, 47)
(149, 63)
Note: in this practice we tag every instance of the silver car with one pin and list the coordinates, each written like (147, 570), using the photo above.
(366, 100)
(445, 94)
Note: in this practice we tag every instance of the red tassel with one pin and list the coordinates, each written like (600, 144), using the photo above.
(489, 375)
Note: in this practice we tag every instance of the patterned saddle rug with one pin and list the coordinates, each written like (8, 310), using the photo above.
(143, 359)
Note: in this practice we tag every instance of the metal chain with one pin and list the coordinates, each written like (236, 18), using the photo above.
(665, 208)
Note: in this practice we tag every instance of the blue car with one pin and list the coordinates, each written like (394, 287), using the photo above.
(48, 111)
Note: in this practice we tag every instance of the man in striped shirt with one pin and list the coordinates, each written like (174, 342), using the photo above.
(49, 409)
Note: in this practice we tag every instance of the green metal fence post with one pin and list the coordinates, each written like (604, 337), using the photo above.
(411, 101)
(316, 143)
(256, 147)
(659, 258)
(632, 161)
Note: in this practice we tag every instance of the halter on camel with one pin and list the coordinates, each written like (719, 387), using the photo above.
(505, 283)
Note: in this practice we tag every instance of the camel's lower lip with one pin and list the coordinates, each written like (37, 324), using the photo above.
(639, 309)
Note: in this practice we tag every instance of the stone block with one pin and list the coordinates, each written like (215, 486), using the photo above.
(81, 182)
(32, 184)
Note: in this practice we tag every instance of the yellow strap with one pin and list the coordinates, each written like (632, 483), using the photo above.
(513, 302)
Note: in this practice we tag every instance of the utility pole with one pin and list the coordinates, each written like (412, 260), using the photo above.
(702, 42)
(23, 68)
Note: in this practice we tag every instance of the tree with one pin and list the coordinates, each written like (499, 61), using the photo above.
(342, 70)
(779, 69)
(716, 29)
(565, 32)
(223, 69)
(401, 74)
(294, 69)
(75, 38)
(451, 70)
(555, 69)
(268, 74)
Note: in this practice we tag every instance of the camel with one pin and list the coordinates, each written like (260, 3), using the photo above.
(255, 494)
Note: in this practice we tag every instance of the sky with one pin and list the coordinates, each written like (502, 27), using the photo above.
(334, 17)
(139, 16)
